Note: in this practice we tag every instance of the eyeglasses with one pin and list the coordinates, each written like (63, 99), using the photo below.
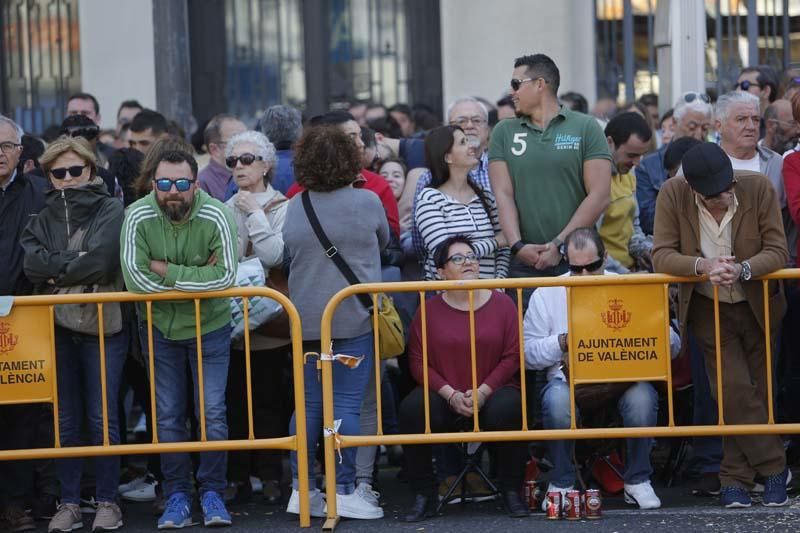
(515, 83)
(591, 267)
(463, 121)
(460, 259)
(61, 173)
(8, 147)
(246, 159)
(745, 85)
(87, 132)
(181, 184)
(692, 96)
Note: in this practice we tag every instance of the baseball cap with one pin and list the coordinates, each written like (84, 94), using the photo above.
(707, 169)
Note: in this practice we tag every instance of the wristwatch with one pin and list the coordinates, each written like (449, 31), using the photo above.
(747, 273)
(516, 247)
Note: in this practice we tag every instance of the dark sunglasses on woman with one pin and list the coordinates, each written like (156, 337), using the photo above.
(61, 173)
(246, 159)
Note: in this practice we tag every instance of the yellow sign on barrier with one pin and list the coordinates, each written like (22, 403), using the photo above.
(618, 333)
(26, 356)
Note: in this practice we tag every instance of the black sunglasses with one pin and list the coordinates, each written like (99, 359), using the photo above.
(691, 97)
(591, 267)
(746, 84)
(87, 132)
(516, 84)
(61, 173)
(181, 184)
(246, 159)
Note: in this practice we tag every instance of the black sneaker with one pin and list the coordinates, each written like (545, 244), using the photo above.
(706, 485)
(44, 507)
(88, 505)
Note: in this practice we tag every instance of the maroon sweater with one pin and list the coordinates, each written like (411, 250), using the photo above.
(449, 363)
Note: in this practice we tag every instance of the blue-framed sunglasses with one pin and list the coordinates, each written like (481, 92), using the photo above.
(181, 184)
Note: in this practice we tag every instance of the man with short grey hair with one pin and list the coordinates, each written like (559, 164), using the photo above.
(282, 125)
(692, 117)
(216, 176)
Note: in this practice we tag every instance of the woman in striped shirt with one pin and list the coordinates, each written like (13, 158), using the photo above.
(455, 205)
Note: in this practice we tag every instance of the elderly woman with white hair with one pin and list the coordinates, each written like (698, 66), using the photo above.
(259, 211)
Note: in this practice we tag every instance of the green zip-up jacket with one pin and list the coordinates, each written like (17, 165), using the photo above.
(148, 234)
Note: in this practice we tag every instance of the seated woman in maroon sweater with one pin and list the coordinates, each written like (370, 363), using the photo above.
(450, 377)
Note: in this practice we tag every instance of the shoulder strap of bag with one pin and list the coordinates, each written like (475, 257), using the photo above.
(331, 251)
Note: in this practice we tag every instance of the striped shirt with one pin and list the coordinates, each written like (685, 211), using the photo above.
(438, 216)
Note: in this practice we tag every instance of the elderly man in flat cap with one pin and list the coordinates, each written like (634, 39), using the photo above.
(726, 228)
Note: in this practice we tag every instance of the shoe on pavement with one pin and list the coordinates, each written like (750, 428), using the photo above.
(514, 505)
(707, 485)
(775, 489)
(14, 518)
(424, 507)
(177, 512)
(140, 490)
(355, 506)
(108, 517)
(67, 518)
(759, 486)
(214, 512)
(643, 495)
(271, 492)
(734, 498)
(370, 496)
(319, 509)
(45, 507)
(256, 486)
(553, 488)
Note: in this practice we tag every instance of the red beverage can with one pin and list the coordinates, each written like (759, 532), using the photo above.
(530, 494)
(554, 505)
(572, 505)
(594, 504)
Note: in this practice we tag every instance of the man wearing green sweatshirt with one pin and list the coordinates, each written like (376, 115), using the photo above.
(179, 238)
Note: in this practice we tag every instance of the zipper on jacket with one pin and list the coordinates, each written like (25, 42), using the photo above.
(66, 213)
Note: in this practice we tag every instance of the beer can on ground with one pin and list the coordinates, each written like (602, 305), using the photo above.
(572, 505)
(594, 504)
(554, 505)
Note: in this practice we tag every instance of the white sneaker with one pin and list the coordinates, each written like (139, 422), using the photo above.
(758, 488)
(135, 483)
(643, 495)
(319, 509)
(366, 492)
(355, 506)
(553, 488)
(256, 485)
(143, 492)
(141, 425)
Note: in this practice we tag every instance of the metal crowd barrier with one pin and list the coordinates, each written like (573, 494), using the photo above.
(334, 441)
(296, 443)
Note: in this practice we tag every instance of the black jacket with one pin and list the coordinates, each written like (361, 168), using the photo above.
(21, 201)
(46, 238)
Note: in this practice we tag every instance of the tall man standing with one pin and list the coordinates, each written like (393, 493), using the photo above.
(729, 229)
(550, 170)
(179, 238)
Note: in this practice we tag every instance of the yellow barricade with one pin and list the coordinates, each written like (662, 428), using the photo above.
(611, 319)
(27, 375)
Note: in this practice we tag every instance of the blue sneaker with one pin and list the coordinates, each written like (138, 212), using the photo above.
(734, 497)
(775, 490)
(214, 512)
(177, 512)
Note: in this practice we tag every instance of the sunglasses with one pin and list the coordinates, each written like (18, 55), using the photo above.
(591, 267)
(61, 173)
(246, 159)
(87, 132)
(515, 83)
(181, 184)
(691, 97)
(746, 84)
(460, 259)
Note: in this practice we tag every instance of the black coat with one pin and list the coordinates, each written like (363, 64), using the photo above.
(21, 201)
(46, 238)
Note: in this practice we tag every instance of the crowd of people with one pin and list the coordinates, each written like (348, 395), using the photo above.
(531, 186)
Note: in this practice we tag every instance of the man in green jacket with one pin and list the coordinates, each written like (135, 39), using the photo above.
(179, 238)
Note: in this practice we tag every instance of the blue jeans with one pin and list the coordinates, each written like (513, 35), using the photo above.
(349, 385)
(79, 399)
(170, 359)
(638, 407)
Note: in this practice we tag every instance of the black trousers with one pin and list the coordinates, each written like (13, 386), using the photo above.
(271, 398)
(16, 477)
(501, 411)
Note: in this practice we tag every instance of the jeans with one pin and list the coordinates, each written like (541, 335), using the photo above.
(170, 359)
(638, 407)
(706, 451)
(79, 399)
(349, 385)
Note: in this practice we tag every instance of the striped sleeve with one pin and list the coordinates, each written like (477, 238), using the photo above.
(135, 253)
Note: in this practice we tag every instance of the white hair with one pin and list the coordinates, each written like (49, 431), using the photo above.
(264, 148)
(682, 106)
(17, 129)
(725, 102)
(462, 100)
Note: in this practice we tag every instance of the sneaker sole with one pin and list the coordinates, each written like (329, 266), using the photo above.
(108, 528)
(217, 522)
(77, 525)
(137, 498)
(630, 500)
(173, 525)
(776, 504)
(359, 516)
(738, 505)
